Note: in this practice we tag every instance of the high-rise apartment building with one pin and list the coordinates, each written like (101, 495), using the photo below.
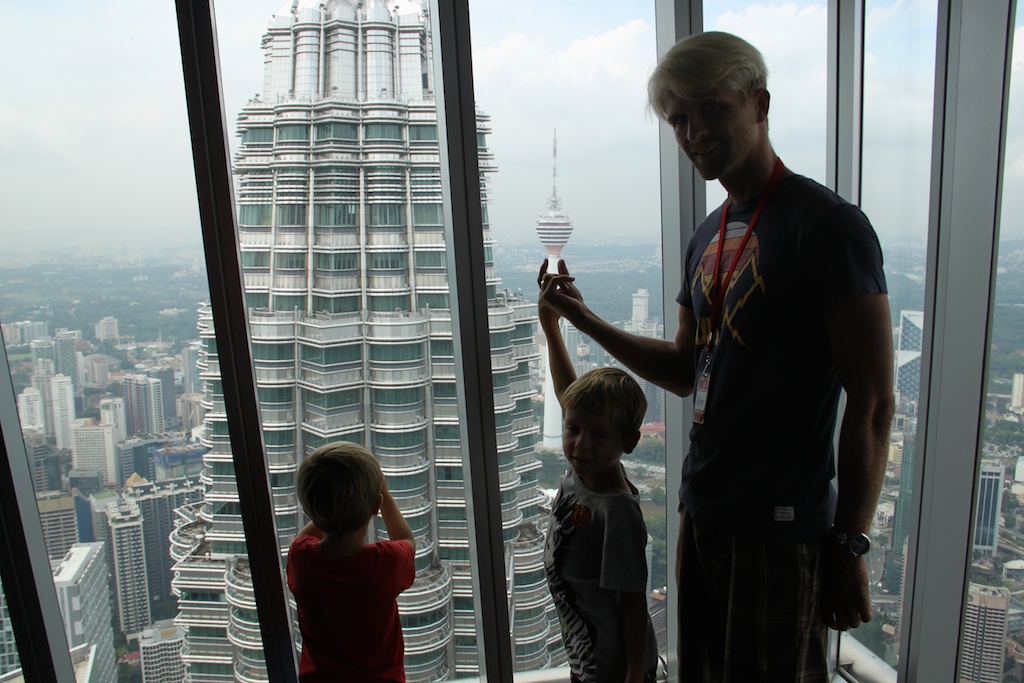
(42, 373)
(113, 412)
(190, 383)
(144, 403)
(60, 525)
(41, 348)
(65, 357)
(63, 393)
(30, 410)
(989, 507)
(343, 253)
(84, 598)
(128, 553)
(44, 462)
(92, 447)
(160, 652)
(983, 636)
(157, 503)
(165, 373)
(106, 329)
(135, 456)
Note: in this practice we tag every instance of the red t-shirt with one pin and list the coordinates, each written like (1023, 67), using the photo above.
(348, 615)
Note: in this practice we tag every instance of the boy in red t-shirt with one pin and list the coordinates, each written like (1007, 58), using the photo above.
(344, 587)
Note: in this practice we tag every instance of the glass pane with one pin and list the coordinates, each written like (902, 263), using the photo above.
(572, 173)
(101, 275)
(990, 634)
(898, 91)
(792, 37)
(348, 297)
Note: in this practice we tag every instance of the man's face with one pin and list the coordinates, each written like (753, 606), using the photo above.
(719, 130)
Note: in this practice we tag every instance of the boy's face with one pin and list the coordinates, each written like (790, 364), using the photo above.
(593, 445)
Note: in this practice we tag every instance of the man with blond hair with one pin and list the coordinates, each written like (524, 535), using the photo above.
(783, 305)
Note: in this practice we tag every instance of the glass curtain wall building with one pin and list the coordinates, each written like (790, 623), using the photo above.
(343, 255)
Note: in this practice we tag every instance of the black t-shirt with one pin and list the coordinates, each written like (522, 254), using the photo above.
(762, 461)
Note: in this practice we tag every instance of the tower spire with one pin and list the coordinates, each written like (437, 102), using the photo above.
(554, 203)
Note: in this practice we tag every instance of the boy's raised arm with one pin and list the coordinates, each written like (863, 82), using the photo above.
(559, 364)
(394, 522)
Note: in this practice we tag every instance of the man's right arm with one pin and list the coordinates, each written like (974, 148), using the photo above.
(669, 364)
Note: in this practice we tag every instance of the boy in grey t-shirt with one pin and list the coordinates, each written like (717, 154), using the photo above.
(595, 560)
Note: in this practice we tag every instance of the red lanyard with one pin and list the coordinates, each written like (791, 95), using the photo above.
(719, 300)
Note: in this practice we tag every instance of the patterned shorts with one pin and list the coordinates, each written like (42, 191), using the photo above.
(748, 611)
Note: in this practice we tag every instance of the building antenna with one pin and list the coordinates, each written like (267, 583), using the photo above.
(554, 204)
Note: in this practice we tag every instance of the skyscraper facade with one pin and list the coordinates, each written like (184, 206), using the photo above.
(908, 355)
(144, 403)
(157, 503)
(9, 660)
(113, 412)
(63, 393)
(128, 552)
(989, 507)
(165, 373)
(92, 447)
(342, 241)
(160, 652)
(983, 637)
(65, 356)
(84, 598)
(60, 525)
(30, 410)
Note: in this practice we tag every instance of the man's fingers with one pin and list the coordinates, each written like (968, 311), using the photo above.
(543, 271)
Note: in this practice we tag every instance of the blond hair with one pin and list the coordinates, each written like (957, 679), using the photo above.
(700, 63)
(339, 486)
(609, 392)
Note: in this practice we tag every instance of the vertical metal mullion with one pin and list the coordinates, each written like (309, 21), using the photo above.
(683, 207)
(845, 105)
(24, 566)
(971, 85)
(468, 288)
(197, 34)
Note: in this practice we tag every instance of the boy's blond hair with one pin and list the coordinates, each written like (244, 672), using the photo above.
(610, 392)
(339, 487)
(698, 64)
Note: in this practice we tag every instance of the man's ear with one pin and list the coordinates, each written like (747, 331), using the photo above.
(762, 100)
(631, 442)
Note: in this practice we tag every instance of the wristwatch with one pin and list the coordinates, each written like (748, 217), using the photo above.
(855, 544)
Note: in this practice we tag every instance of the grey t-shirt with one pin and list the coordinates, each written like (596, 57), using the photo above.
(595, 551)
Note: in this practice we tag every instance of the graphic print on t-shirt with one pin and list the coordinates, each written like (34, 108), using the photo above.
(746, 282)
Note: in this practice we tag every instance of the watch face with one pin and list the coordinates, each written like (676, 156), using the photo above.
(859, 544)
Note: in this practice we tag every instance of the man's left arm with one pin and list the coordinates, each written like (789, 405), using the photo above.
(860, 337)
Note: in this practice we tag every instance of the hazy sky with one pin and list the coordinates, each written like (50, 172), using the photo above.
(95, 146)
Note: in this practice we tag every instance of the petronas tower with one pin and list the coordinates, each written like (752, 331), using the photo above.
(339, 206)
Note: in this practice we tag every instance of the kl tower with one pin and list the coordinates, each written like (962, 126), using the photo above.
(553, 229)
